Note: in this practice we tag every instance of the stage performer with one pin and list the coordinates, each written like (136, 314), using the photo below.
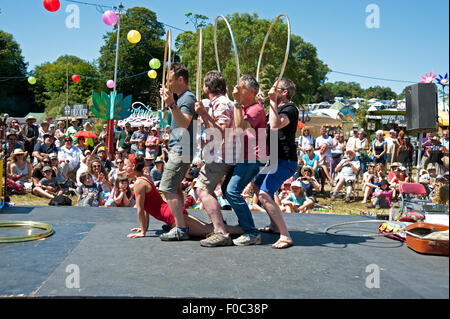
(249, 118)
(283, 116)
(150, 202)
(218, 117)
(183, 116)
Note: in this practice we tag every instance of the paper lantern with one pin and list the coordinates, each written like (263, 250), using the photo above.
(75, 78)
(152, 74)
(110, 17)
(51, 5)
(134, 36)
(110, 84)
(32, 80)
(155, 63)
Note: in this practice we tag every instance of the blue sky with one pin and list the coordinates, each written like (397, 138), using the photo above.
(412, 38)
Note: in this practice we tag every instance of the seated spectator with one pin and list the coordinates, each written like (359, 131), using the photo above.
(347, 169)
(393, 170)
(20, 169)
(15, 127)
(44, 148)
(82, 146)
(382, 196)
(370, 182)
(399, 178)
(60, 177)
(157, 171)
(99, 175)
(102, 155)
(69, 157)
(311, 159)
(297, 202)
(149, 161)
(37, 175)
(116, 171)
(121, 195)
(90, 193)
(10, 145)
(309, 183)
(140, 150)
(49, 183)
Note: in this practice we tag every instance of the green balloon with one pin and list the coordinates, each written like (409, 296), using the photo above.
(32, 80)
(155, 63)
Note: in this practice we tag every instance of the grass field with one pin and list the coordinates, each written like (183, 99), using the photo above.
(339, 206)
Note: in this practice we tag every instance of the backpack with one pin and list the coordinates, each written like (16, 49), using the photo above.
(60, 200)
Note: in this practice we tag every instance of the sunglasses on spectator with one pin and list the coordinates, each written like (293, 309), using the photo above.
(96, 166)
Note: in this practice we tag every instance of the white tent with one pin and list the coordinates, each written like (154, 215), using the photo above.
(326, 112)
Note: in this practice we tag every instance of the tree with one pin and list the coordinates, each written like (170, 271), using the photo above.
(303, 66)
(50, 88)
(134, 58)
(328, 91)
(381, 93)
(16, 99)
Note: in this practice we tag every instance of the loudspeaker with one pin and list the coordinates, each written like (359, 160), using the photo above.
(421, 107)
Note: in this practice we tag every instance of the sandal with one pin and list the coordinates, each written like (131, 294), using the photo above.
(268, 230)
(287, 244)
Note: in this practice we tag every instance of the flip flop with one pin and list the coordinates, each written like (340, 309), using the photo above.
(288, 244)
(268, 230)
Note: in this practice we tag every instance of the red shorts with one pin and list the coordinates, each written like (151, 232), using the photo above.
(167, 216)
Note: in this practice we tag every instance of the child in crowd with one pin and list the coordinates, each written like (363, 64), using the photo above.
(49, 183)
(382, 196)
(121, 195)
(90, 193)
(297, 201)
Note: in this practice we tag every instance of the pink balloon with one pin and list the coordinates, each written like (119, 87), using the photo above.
(110, 17)
(110, 84)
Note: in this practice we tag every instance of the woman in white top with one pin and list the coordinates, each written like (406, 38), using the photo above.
(337, 152)
(20, 169)
(60, 133)
(305, 140)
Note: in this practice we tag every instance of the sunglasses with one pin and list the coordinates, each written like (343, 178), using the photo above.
(46, 162)
(96, 166)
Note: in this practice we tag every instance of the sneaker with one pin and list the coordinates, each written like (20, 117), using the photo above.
(175, 234)
(216, 240)
(247, 239)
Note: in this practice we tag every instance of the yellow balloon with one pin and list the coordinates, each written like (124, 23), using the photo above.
(134, 36)
(152, 74)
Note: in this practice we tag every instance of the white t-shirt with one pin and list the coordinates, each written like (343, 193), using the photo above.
(324, 140)
(351, 143)
(347, 171)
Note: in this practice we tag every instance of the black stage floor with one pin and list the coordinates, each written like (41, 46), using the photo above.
(92, 243)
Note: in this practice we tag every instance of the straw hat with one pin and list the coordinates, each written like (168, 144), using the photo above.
(305, 168)
(296, 184)
(351, 151)
(18, 151)
(396, 164)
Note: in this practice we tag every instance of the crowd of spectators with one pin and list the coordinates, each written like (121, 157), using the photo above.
(49, 160)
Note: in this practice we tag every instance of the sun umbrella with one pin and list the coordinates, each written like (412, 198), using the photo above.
(85, 134)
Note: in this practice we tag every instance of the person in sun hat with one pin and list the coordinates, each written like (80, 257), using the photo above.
(347, 170)
(20, 169)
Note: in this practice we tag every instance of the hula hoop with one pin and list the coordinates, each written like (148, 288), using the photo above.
(198, 84)
(359, 222)
(286, 55)
(167, 53)
(236, 57)
(48, 230)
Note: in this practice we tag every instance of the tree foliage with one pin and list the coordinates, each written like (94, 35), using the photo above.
(50, 88)
(328, 91)
(303, 66)
(15, 97)
(134, 58)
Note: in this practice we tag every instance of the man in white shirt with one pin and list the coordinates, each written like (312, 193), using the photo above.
(352, 139)
(324, 138)
(69, 156)
(348, 170)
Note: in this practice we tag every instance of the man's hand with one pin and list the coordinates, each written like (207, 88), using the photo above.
(272, 94)
(136, 233)
(260, 96)
(237, 92)
(200, 108)
(167, 95)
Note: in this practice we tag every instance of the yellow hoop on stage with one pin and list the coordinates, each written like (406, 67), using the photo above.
(48, 230)
(236, 56)
(167, 54)
(199, 81)
(286, 55)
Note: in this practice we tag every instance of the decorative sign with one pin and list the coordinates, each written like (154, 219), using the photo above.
(77, 110)
(140, 110)
(387, 119)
